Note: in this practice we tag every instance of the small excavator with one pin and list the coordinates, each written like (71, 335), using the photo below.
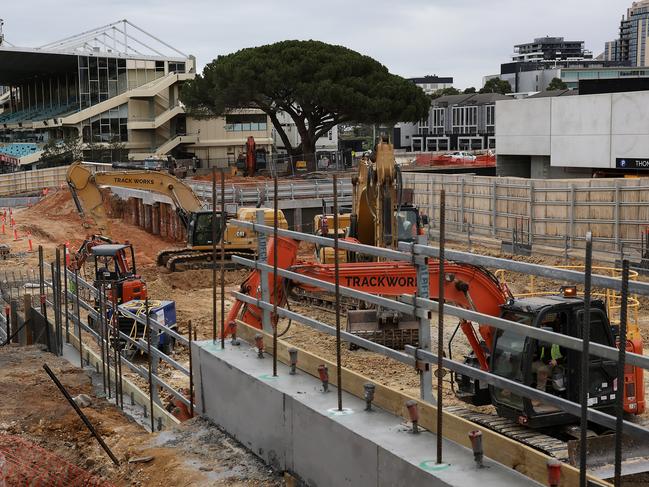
(382, 215)
(89, 200)
(504, 353)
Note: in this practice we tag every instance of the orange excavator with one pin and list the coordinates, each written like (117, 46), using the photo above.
(505, 353)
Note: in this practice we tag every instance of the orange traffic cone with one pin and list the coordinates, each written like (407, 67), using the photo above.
(16, 235)
(29, 241)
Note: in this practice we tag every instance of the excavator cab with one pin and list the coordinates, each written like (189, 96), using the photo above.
(551, 368)
(199, 229)
(115, 268)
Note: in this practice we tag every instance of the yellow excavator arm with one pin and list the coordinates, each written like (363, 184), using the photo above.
(85, 188)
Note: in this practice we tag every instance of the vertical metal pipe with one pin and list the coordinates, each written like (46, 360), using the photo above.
(55, 311)
(223, 226)
(115, 344)
(59, 302)
(102, 315)
(76, 287)
(275, 287)
(191, 370)
(339, 373)
(214, 236)
(440, 321)
(148, 351)
(43, 294)
(621, 362)
(65, 294)
(585, 375)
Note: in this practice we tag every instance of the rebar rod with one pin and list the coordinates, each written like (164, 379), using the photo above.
(191, 371)
(148, 349)
(223, 224)
(339, 374)
(81, 415)
(620, 393)
(440, 322)
(65, 294)
(214, 234)
(275, 296)
(585, 361)
(76, 287)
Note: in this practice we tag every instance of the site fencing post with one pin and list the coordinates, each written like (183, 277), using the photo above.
(262, 258)
(55, 311)
(585, 361)
(620, 393)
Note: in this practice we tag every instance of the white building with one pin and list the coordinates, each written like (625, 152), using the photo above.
(431, 83)
(573, 136)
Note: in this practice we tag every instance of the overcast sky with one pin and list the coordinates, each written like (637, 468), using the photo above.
(466, 39)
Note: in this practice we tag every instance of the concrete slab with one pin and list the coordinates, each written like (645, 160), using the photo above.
(290, 423)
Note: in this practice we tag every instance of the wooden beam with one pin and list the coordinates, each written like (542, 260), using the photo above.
(508, 452)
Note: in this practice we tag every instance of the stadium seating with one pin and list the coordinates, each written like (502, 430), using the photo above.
(19, 150)
(36, 115)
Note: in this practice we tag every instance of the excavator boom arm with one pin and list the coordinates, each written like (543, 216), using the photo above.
(466, 286)
(85, 188)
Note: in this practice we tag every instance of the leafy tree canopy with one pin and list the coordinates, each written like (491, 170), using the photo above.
(444, 92)
(557, 84)
(317, 84)
(470, 90)
(496, 85)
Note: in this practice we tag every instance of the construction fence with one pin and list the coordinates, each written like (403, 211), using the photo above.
(549, 212)
(26, 182)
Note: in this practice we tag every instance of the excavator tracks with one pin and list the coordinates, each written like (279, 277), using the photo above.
(539, 441)
(183, 259)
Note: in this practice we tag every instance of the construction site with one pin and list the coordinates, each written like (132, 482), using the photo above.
(208, 311)
(202, 353)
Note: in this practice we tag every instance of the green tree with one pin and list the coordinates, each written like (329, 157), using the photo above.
(317, 84)
(63, 151)
(470, 90)
(496, 85)
(444, 92)
(557, 84)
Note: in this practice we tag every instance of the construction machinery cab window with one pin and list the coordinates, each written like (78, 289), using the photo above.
(245, 123)
(203, 229)
(407, 225)
(508, 356)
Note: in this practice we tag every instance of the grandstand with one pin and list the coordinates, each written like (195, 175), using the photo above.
(116, 84)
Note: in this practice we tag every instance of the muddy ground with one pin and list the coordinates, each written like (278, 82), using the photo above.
(195, 453)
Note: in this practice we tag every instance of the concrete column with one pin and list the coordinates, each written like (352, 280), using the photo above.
(155, 219)
(148, 225)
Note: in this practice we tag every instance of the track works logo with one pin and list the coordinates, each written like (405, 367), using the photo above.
(143, 181)
(380, 281)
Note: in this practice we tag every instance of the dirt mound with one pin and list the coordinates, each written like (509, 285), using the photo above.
(36, 232)
(56, 204)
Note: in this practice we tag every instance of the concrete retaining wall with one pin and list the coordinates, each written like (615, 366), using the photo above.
(292, 425)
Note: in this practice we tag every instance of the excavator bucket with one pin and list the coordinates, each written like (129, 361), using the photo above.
(393, 332)
(600, 455)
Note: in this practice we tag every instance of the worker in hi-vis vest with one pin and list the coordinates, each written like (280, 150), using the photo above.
(548, 359)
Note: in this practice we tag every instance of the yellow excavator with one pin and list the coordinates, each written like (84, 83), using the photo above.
(382, 212)
(89, 200)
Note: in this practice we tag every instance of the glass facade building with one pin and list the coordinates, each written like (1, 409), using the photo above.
(631, 46)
